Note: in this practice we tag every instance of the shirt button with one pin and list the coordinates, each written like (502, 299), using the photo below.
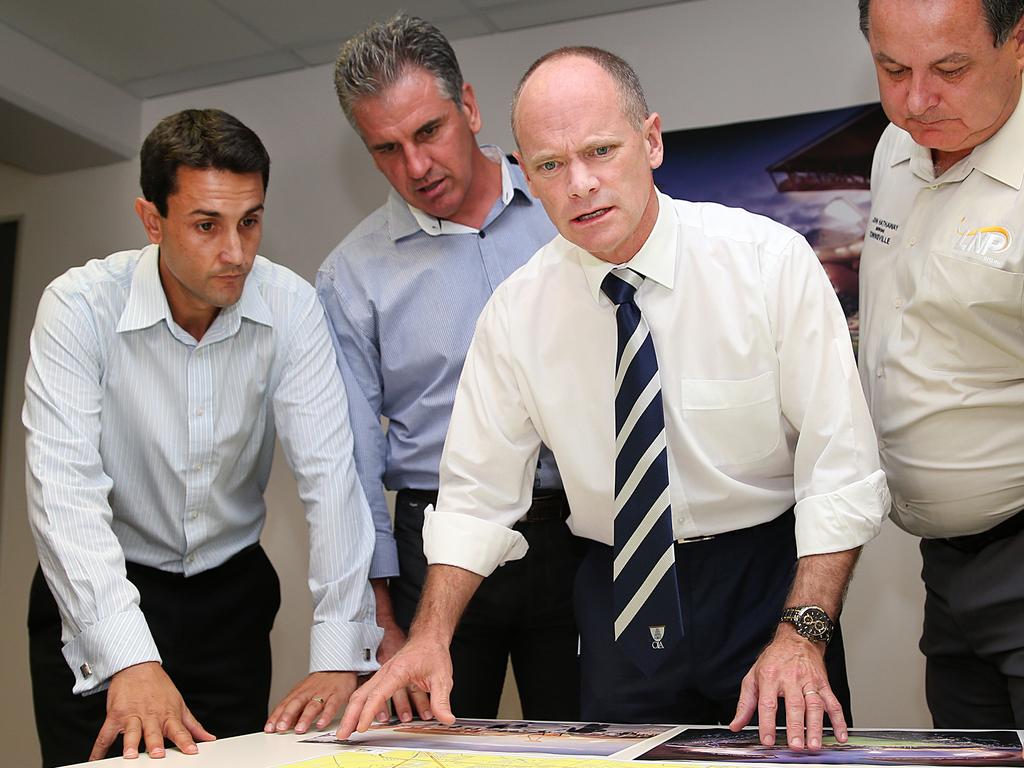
(912, 242)
(881, 444)
(880, 372)
(933, 186)
(197, 467)
(195, 514)
(190, 559)
(897, 303)
(199, 411)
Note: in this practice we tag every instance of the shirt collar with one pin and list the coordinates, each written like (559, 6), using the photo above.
(656, 259)
(405, 219)
(1001, 157)
(147, 303)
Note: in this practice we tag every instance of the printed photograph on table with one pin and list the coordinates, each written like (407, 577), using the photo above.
(811, 172)
(864, 747)
(519, 736)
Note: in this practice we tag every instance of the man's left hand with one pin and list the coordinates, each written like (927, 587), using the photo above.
(319, 697)
(791, 668)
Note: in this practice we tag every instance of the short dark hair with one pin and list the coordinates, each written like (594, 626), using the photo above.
(1001, 15)
(631, 93)
(377, 57)
(197, 138)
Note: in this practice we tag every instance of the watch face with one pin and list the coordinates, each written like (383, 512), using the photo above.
(814, 622)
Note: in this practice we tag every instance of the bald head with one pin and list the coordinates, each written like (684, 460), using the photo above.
(631, 93)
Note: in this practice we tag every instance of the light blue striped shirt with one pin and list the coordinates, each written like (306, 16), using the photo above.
(147, 446)
(402, 305)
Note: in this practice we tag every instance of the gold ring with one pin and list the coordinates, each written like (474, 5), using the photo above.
(810, 692)
(319, 700)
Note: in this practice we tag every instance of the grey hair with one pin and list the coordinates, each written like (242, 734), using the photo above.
(379, 56)
(631, 93)
(1000, 15)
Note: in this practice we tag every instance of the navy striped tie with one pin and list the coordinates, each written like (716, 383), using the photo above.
(648, 618)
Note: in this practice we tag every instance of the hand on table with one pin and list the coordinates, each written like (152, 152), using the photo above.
(791, 668)
(403, 699)
(144, 705)
(320, 696)
(423, 666)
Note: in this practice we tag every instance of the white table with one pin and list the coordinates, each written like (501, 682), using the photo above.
(256, 750)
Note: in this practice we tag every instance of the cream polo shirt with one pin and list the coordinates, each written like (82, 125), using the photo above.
(763, 406)
(942, 331)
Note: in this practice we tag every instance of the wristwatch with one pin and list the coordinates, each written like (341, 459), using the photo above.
(810, 621)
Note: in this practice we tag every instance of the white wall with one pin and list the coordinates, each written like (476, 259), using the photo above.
(702, 63)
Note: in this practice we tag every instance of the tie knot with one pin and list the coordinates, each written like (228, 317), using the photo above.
(621, 285)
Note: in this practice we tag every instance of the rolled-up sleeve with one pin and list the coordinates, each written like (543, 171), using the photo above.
(489, 458)
(841, 493)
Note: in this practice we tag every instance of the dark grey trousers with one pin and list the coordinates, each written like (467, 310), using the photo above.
(974, 634)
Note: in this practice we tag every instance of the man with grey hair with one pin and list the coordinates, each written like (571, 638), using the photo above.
(942, 334)
(691, 370)
(402, 293)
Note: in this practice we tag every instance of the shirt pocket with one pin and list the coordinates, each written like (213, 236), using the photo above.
(973, 315)
(733, 421)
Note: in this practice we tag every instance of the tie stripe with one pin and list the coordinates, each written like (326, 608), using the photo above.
(645, 590)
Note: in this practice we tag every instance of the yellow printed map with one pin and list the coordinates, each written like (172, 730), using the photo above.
(421, 759)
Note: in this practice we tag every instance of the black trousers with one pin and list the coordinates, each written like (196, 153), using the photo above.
(973, 636)
(213, 634)
(732, 589)
(523, 610)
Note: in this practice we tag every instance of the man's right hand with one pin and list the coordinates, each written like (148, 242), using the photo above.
(144, 705)
(423, 665)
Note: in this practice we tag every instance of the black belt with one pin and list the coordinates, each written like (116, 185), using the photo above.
(547, 505)
(976, 542)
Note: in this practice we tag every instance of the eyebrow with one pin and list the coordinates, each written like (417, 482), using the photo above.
(950, 58)
(217, 214)
(432, 123)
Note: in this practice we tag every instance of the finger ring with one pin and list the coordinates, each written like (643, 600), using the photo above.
(318, 699)
(810, 692)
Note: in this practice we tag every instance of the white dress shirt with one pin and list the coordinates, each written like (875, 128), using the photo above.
(763, 407)
(147, 446)
(942, 330)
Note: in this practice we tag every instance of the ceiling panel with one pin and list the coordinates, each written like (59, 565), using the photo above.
(122, 40)
(316, 21)
(221, 72)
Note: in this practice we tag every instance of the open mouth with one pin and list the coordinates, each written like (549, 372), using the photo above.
(431, 187)
(585, 217)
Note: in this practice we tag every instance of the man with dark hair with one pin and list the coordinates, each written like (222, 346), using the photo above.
(942, 334)
(691, 370)
(402, 293)
(157, 382)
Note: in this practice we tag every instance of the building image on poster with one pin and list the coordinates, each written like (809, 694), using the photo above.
(811, 172)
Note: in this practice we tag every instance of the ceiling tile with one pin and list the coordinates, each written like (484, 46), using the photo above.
(123, 40)
(316, 21)
(223, 72)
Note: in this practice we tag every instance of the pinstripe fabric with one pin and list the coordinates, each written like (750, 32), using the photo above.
(646, 594)
(402, 305)
(143, 444)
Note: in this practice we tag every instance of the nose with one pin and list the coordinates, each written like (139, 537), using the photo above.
(417, 162)
(232, 252)
(921, 96)
(582, 181)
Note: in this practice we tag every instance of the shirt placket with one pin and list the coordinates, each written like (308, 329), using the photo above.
(200, 453)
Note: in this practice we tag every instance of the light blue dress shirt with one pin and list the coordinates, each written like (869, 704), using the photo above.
(144, 445)
(402, 302)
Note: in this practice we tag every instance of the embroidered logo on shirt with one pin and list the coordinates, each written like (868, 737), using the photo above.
(657, 635)
(882, 230)
(985, 242)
